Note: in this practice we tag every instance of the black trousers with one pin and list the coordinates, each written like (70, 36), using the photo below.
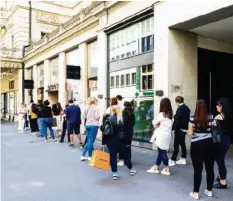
(128, 150)
(179, 142)
(220, 154)
(202, 152)
(64, 128)
(118, 146)
(34, 125)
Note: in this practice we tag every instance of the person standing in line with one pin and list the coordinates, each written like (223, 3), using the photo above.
(225, 120)
(29, 114)
(92, 116)
(115, 141)
(129, 122)
(34, 125)
(180, 126)
(202, 148)
(59, 118)
(39, 115)
(73, 115)
(120, 102)
(56, 115)
(22, 113)
(64, 128)
(162, 133)
(47, 121)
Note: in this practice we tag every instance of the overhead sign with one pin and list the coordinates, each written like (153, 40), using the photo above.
(28, 84)
(73, 72)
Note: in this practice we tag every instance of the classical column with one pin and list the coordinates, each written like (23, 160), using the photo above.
(46, 78)
(102, 71)
(84, 71)
(62, 92)
(20, 89)
(35, 79)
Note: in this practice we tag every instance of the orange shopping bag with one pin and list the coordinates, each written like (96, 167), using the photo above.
(100, 159)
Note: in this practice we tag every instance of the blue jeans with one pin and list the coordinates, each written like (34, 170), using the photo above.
(116, 146)
(47, 123)
(91, 135)
(39, 122)
(162, 156)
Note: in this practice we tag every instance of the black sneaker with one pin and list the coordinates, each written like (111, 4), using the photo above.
(220, 186)
(71, 145)
(61, 141)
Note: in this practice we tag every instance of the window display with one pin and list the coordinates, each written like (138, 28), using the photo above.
(144, 114)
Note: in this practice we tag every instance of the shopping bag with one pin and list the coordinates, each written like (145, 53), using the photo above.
(101, 160)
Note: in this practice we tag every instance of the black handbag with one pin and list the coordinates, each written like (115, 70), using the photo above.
(216, 132)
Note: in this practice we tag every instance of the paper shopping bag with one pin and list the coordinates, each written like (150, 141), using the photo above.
(101, 160)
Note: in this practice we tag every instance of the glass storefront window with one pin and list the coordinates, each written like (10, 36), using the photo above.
(117, 81)
(54, 71)
(147, 79)
(40, 74)
(122, 80)
(144, 114)
(133, 78)
(127, 79)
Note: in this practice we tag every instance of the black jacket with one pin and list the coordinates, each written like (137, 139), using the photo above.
(128, 124)
(39, 110)
(181, 118)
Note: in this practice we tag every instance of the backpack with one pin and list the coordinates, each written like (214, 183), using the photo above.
(108, 128)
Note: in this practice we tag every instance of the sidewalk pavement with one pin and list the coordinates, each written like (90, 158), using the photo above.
(33, 170)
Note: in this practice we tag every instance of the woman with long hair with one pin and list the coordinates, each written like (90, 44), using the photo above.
(22, 113)
(92, 116)
(224, 118)
(129, 122)
(162, 136)
(34, 125)
(116, 141)
(202, 148)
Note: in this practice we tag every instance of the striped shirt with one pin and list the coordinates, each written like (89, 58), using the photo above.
(200, 134)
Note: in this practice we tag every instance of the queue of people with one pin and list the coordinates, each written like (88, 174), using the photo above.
(117, 133)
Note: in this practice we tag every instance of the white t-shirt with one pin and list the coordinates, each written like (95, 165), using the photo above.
(121, 105)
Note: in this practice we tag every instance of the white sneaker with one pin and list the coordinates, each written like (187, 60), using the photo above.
(34, 133)
(83, 158)
(46, 140)
(54, 140)
(208, 193)
(115, 176)
(121, 163)
(182, 161)
(132, 172)
(89, 158)
(171, 163)
(153, 170)
(195, 196)
(164, 172)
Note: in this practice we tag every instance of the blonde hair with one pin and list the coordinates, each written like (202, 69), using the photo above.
(117, 110)
(91, 100)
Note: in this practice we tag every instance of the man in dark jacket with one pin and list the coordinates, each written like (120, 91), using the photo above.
(39, 114)
(180, 127)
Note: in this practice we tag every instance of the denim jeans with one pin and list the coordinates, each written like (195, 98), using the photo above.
(39, 122)
(162, 156)
(47, 123)
(118, 146)
(91, 135)
(221, 151)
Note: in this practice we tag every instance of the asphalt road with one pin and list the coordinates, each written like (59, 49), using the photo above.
(33, 170)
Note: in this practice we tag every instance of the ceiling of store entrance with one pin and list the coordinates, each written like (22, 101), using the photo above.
(220, 30)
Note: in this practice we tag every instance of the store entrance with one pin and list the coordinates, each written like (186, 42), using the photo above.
(215, 70)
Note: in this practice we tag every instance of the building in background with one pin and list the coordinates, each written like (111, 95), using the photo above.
(19, 28)
(144, 51)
